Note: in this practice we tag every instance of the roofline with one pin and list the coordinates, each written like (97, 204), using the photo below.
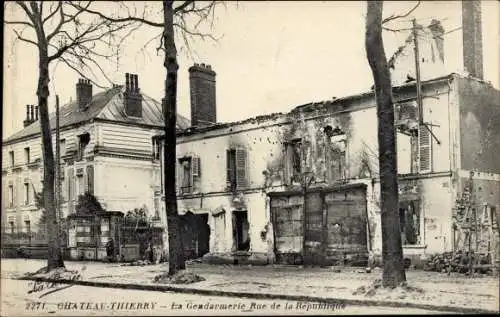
(9, 141)
(297, 109)
(74, 125)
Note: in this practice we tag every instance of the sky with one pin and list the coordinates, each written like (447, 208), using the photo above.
(269, 56)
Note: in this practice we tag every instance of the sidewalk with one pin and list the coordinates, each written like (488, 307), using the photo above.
(440, 291)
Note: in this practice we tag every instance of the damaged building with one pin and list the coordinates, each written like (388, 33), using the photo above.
(303, 186)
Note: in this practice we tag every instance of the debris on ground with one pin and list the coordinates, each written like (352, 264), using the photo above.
(461, 262)
(139, 263)
(60, 273)
(376, 288)
(181, 277)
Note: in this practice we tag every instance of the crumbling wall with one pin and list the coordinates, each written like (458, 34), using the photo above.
(479, 126)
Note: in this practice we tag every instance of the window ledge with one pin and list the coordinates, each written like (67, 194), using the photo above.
(415, 246)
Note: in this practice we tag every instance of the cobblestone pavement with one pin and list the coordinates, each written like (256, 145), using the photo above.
(480, 292)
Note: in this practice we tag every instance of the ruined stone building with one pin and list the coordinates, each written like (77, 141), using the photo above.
(106, 150)
(303, 186)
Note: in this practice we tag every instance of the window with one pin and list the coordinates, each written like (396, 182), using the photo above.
(293, 160)
(188, 173)
(70, 184)
(80, 186)
(241, 238)
(27, 225)
(62, 147)
(27, 155)
(90, 179)
(11, 196)
(236, 163)
(409, 219)
(425, 149)
(336, 146)
(11, 158)
(11, 223)
(156, 149)
(83, 141)
(26, 194)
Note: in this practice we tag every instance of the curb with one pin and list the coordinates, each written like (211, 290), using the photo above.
(300, 298)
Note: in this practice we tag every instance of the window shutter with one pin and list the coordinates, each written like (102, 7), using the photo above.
(195, 166)
(425, 155)
(288, 163)
(14, 192)
(70, 183)
(178, 176)
(90, 179)
(195, 173)
(229, 171)
(85, 180)
(241, 168)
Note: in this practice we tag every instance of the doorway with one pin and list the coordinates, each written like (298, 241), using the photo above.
(241, 235)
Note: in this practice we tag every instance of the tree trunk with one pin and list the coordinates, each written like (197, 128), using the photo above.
(176, 254)
(392, 251)
(55, 258)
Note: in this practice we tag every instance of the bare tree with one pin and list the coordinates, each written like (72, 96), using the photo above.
(392, 250)
(60, 32)
(185, 17)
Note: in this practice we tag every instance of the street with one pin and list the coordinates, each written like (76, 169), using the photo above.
(67, 300)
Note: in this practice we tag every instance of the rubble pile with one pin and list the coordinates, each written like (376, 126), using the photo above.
(460, 262)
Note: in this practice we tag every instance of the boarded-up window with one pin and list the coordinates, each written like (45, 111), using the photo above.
(236, 168)
(425, 149)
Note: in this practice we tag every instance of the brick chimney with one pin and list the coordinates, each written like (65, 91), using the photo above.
(29, 116)
(132, 96)
(472, 38)
(203, 100)
(437, 31)
(83, 93)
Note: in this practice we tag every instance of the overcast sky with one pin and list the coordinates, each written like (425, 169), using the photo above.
(271, 57)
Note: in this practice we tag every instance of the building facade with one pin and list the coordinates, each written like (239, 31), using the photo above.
(304, 186)
(105, 150)
(244, 184)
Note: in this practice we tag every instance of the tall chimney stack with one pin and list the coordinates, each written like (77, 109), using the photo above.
(37, 112)
(472, 38)
(83, 93)
(27, 121)
(132, 97)
(203, 97)
(437, 31)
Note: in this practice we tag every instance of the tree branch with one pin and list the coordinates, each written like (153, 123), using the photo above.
(393, 17)
(121, 20)
(19, 23)
(19, 37)
(183, 6)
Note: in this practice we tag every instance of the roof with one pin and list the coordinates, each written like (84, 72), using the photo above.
(107, 105)
(312, 106)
